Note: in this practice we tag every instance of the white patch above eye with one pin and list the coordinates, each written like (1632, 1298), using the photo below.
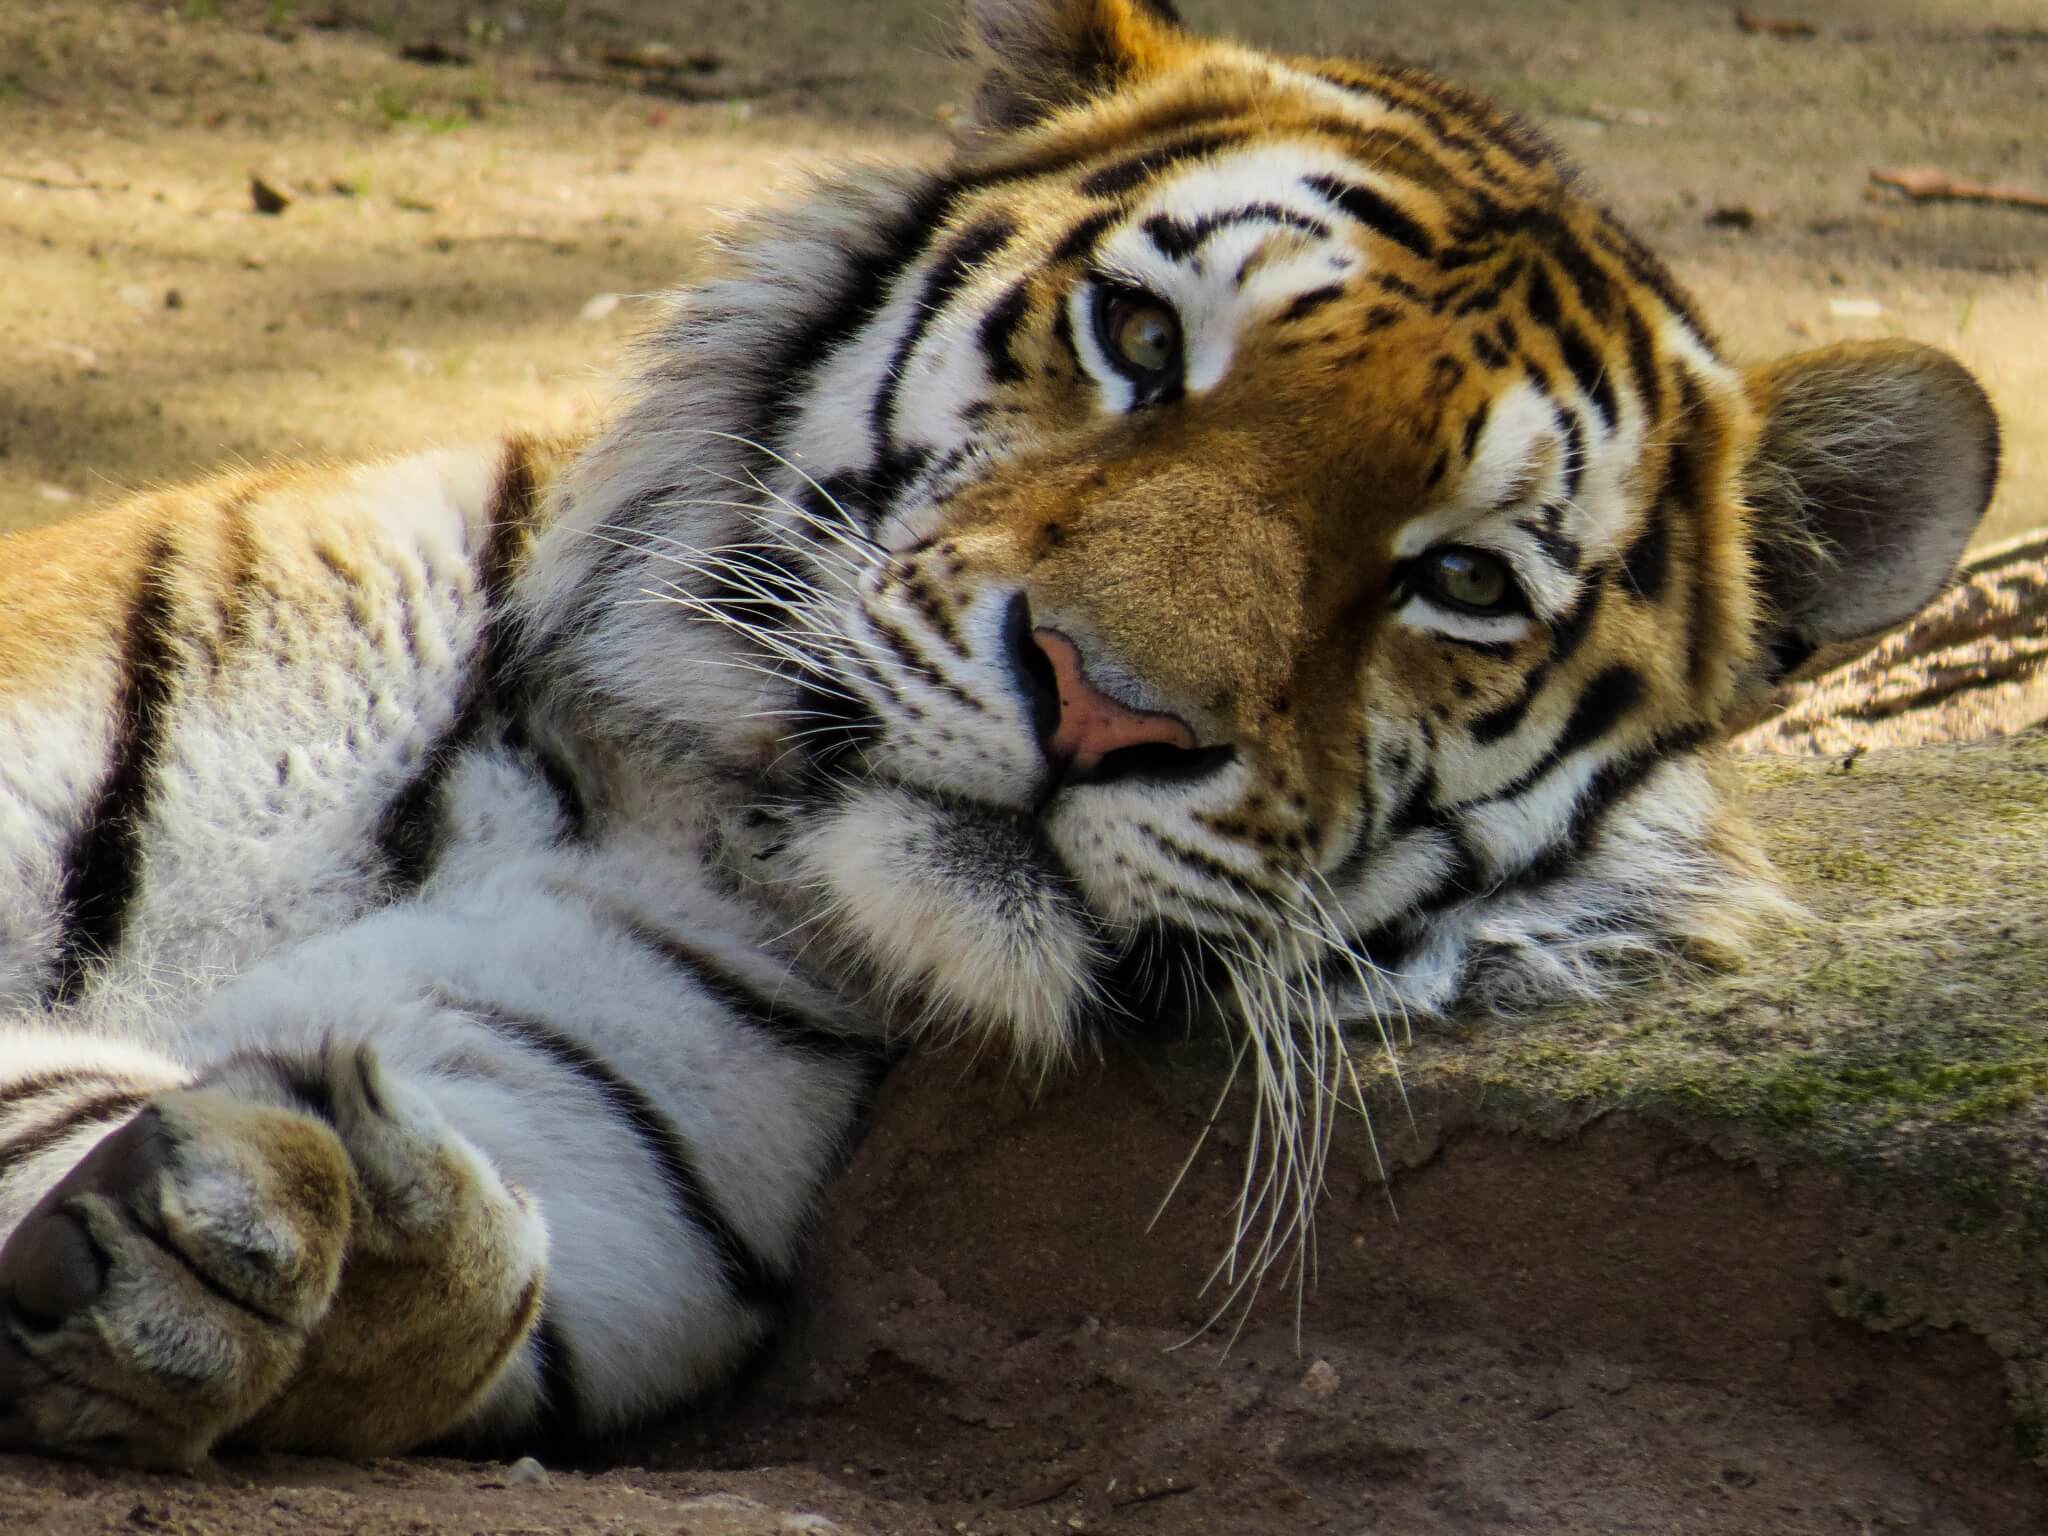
(1227, 242)
(1511, 502)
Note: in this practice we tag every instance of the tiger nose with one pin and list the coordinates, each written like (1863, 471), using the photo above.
(1078, 724)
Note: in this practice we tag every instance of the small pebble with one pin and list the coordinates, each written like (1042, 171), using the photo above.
(1321, 1379)
(527, 1473)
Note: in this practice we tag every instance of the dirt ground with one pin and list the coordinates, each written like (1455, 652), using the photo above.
(464, 248)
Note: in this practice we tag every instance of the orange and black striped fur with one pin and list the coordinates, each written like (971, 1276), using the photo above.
(1248, 537)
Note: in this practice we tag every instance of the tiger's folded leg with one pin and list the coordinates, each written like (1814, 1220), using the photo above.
(292, 1252)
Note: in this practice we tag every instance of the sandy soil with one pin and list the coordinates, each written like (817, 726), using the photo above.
(1526, 1349)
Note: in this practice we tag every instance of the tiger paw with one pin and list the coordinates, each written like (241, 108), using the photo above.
(294, 1255)
(441, 1287)
(164, 1290)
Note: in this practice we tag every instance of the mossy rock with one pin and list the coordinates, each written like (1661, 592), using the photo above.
(1896, 1038)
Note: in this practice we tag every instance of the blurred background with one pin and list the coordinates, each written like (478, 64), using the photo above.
(237, 229)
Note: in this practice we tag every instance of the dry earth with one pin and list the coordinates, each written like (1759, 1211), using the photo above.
(1612, 1332)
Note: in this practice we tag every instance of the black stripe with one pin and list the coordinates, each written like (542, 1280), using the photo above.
(1203, 864)
(918, 664)
(1375, 212)
(1543, 306)
(1079, 241)
(1649, 271)
(1501, 720)
(1547, 529)
(74, 1118)
(560, 1419)
(1306, 304)
(1571, 627)
(555, 772)
(1607, 699)
(870, 274)
(1490, 295)
(1607, 788)
(1574, 451)
(1578, 268)
(1487, 352)
(19, 1092)
(408, 832)
(244, 581)
(1392, 150)
(1591, 372)
(1932, 692)
(1475, 424)
(102, 868)
(1177, 239)
(1408, 89)
(999, 329)
(750, 1275)
(1125, 175)
(770, 1016)
(950, 269)
(1646, 563)
(1418, 810)
(295, 1077)
(1642, 361)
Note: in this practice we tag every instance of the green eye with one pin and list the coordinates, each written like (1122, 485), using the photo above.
(1141, 335)
(1469, 580)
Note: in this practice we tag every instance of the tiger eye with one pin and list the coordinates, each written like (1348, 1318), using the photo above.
(1145, 334)
(1471, 579)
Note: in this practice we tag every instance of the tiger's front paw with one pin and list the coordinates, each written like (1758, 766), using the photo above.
(165, 1289)
(294, 1254)
(442, 1284)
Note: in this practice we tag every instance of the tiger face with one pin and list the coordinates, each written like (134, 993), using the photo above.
(1247, 532)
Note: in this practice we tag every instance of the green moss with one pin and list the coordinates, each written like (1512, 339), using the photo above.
(1911, 1001)
(1897, 1039)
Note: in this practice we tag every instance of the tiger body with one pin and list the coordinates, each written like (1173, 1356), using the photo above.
(1247, 537)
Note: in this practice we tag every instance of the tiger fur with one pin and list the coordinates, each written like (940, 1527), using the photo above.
(1247, 537)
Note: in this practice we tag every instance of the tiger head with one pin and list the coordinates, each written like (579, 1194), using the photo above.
(1245, 530)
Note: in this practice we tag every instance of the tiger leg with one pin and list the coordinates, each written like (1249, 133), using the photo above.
(249, 1253)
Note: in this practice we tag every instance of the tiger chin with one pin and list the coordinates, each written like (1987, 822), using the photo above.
(1248, 536)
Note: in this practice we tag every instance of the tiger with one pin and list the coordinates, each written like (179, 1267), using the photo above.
(1245, 540)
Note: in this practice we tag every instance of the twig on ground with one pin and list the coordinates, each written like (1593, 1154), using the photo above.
(1924, 184)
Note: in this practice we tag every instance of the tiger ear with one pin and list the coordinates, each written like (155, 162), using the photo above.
(1875, 461)
(1042, 55)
